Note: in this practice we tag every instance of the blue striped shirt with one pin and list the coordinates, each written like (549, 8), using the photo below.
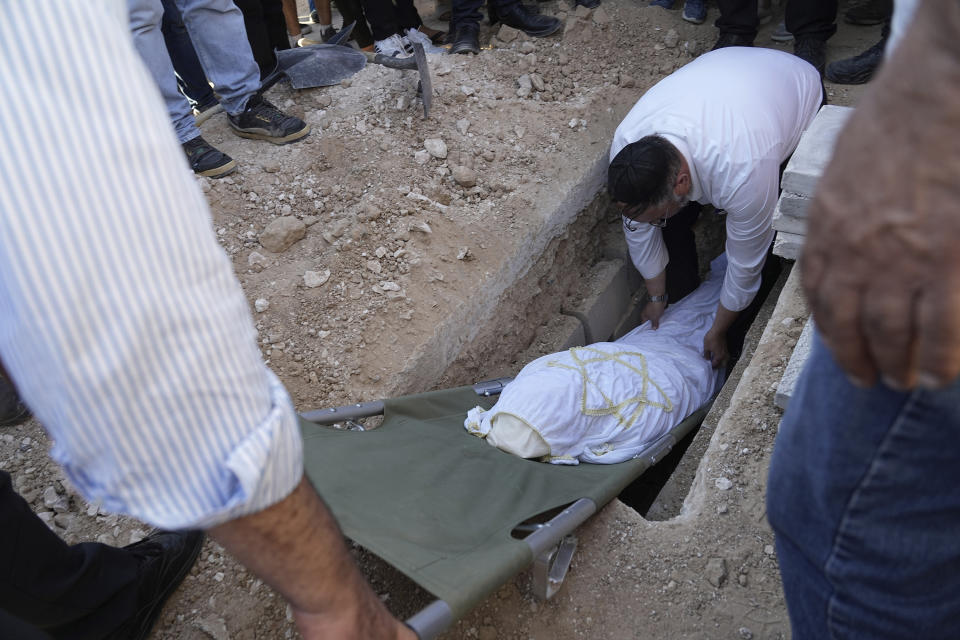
(121, 320)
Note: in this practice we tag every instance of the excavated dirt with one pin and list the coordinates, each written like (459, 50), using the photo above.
(400, 282)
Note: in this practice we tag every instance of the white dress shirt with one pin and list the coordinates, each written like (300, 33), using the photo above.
(736, 114)
(121, 320)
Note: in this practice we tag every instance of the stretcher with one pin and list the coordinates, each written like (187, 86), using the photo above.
(457, 516)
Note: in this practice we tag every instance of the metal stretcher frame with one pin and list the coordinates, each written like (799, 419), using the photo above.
(372, 513)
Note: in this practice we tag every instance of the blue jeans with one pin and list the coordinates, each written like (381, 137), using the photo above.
(864, 498)
(218, 35)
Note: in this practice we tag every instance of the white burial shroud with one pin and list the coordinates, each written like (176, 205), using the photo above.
(603, 403)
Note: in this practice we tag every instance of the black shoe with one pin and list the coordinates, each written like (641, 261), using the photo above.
(728, 39)
(589, 4)
(813, 50)
(466, 39)
(859, 68)
(165, 559)
(520, 17)
(261, 120)
(869, 13)
(206, 160)
(12, 409)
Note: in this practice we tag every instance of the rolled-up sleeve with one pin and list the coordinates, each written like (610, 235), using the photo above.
(647, 250)
(121, 320)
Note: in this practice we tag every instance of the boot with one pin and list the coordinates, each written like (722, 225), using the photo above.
(519, 17)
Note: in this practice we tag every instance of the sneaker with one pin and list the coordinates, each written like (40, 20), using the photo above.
(695, 11)
(392, 47)
(203, 113)
(869, 13)
(813, 50)
(666, 4)
(858, 69)
(780, 34)
(165, 560)
(728, 39)
(12, 409)
(206, 160)
(261, 120)
(416, 36)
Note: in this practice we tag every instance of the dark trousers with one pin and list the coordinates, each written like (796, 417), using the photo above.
(81, 592)
(683, 273)
(352, 11)
(388, 17)
(266, 31)
(804, 18)
(467, 11)
(190, 76)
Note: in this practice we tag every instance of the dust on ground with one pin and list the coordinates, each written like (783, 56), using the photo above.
(400, 221)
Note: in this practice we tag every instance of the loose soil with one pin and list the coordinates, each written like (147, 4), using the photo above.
(412, 239)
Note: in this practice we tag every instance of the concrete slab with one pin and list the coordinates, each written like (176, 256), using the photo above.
(814, 151)
(790, 214)
(792, 373)
(788, 245)
(605, 311)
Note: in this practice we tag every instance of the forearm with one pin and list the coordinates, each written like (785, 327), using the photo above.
(723, 320)
(297, 548)
(657, 285)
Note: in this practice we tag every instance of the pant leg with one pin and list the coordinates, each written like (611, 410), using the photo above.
(352, 11)
(811, 18)
(683, 270)
(83, 591)
(217, 31)
(863, 497)
(145, 17)
(464, 12)
(738, 16)
(190, 77)
(407, 15)
(382, 16)
(264, 33)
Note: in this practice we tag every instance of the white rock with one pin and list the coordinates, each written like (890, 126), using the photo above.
(422, 157)
(281, 233)
(389, 286)
(723, 483)
(261, 305)
(314, 279)
(375, 266)
(463, 125)
(467, 90)
(436, 146)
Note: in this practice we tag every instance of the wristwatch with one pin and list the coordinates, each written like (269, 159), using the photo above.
(660, 298)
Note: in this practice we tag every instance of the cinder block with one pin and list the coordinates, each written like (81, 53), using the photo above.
(788, 382)
(785, 217)
(813, 153)
(788, 245)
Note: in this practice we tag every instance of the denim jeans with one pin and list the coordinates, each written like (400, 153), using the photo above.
(864, 499)
(217, 32)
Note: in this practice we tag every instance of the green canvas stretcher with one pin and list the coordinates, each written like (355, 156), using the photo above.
(440, 504)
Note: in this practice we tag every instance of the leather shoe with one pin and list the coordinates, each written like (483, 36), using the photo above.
(466, 39)
(859, 68)
(727, 39)
(533, 24)
(165, 559)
